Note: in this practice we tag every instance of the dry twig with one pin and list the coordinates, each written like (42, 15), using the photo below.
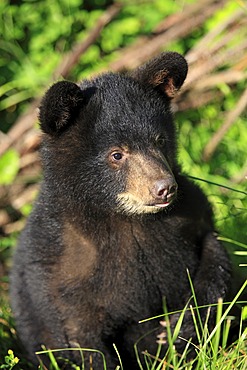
(141, 51)
(72, 58)
(230, 120)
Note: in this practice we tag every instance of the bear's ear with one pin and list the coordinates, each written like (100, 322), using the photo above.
(166, 72)
(60, 106)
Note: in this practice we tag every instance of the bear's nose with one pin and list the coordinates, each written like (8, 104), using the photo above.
(164, 188)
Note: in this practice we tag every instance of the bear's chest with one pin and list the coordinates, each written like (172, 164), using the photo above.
(147, 265)
(128, 271)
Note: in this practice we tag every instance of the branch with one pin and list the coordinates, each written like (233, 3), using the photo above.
(202, 46)
(72, 58)
(22, 125)
(230, 120)
(26, 121)
(214, 59)
(147, 47)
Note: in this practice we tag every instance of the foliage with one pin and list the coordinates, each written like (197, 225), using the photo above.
(10, 361)
(212, 351)
(36, 34)
(9, 166)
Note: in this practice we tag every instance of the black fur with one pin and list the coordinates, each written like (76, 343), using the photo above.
(93, 260)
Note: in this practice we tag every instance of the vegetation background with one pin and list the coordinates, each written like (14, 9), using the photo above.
(45, 40)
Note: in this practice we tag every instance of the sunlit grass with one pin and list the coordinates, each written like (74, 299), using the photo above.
(213, 349)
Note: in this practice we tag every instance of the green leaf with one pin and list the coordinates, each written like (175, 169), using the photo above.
(244, 313)
(9, 166)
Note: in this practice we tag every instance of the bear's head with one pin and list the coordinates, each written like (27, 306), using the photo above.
(109, 143)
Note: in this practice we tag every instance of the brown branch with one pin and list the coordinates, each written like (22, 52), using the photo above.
(142, 51)
(193, 100)
(72, 58)
(25, 196)
(214, 60)
(190, 10)
(230, 76)
(22, 125)
(205, 42)
(230, 120)
(26, 121)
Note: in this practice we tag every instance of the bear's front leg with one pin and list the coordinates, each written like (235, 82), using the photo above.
(210, 283)
(89, 338)
(213, 277)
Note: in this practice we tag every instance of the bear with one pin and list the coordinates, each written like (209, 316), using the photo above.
(116, 227)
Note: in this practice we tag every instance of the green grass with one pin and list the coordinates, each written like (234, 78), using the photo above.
(214, 351)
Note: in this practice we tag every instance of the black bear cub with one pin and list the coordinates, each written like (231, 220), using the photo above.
(116, 226)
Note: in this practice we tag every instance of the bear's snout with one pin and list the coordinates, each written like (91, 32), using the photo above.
(164, 190)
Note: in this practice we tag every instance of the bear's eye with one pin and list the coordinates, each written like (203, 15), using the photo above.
(117, 156)
(160, 141)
